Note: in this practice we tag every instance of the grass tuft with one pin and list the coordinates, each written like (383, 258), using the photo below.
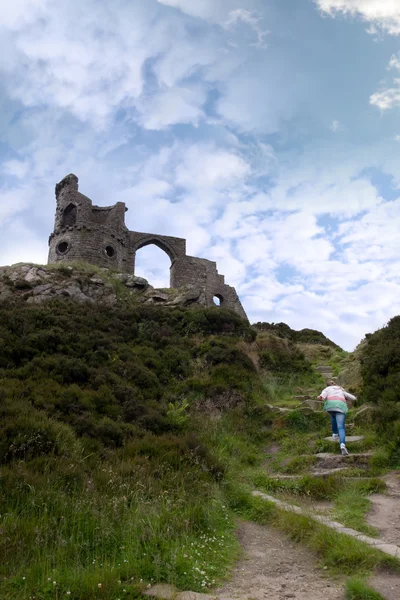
(357, 589)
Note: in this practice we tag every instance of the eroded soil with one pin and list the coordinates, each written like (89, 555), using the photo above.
(274, 567)
(385, 511)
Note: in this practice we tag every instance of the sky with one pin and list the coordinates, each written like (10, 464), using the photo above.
(265, 132)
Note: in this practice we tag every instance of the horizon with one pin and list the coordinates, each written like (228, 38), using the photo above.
(265, 133)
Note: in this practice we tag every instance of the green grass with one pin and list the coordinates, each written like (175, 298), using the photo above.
(357, 589)
(351, 506)
(112, 461)
(117, 521)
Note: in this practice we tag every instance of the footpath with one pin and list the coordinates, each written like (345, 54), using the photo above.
(275, 567)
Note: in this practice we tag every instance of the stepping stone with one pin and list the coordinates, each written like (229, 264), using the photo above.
(349, 438)
(321, 473)
(328, 460)
(279, 409)
(329, 472)
(360, 455)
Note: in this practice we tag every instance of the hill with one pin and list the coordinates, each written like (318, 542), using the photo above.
(305, 336)
(124, 427)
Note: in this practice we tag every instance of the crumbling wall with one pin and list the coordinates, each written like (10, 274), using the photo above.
(98, 235)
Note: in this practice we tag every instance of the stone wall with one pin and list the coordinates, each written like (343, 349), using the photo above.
(98, 235)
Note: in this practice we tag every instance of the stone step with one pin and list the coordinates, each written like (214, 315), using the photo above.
(324, 369)
(328, 460)
(320, 474)
(279, 409)
(349, 438)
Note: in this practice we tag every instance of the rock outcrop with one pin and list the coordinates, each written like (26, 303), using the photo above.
(85, 283)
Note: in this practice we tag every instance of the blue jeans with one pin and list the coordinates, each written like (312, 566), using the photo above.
(338, 420)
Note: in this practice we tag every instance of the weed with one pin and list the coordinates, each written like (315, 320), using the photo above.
(350, 508)
(357, 589)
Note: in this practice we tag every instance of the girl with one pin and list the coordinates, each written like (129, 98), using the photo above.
(336, 405)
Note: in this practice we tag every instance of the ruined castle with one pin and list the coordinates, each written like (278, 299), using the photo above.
(98, 235)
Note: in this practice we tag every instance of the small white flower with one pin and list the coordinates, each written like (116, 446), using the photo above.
(99, 585)
(54, 582)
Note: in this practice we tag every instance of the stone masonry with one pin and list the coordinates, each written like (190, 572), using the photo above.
(98, 235)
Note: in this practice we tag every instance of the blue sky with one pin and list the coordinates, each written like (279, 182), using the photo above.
(265, 132)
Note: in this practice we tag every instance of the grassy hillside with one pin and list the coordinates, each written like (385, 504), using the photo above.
(304, 336)
(379, 360)
(121, 431)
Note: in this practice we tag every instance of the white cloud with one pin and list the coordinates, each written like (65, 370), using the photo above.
(207, 167)
(17, 168)
(13, 14)
(389, 97)
(21, 244)
(384, 14)
(12, 202)
(241, 15)
(336, 126)
(375, 236)
(65, 57)
(213, 10)
(172, 106)
(260, 105)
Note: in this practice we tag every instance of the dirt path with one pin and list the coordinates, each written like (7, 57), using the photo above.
(385, 511)
(274, 567)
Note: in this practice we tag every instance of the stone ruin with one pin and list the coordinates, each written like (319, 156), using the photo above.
(98, 235)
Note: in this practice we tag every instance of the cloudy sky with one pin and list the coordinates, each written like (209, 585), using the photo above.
(266, 132)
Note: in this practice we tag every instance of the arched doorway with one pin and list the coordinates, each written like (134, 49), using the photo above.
(153, 263)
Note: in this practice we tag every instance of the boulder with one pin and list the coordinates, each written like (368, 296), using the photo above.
(132, 281)
(364, 414)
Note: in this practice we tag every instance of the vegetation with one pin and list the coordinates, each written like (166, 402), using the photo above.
(131, 437)
(380, 372)
(338, 552)
(357, 589)
(119, 429)
(306, 336)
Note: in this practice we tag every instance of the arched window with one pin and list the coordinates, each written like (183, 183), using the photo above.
(69, 215)
(153, 264)
(218, 300)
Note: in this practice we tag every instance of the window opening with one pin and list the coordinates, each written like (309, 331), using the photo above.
(110, 251)
(69, 215)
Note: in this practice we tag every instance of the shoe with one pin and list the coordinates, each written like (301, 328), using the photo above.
(344, 450)
(335, 437)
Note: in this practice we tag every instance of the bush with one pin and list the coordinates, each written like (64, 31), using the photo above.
(380, 370)
(27, 433)
(304, 336)
(282, 356)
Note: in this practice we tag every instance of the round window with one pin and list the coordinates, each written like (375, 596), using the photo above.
(110, 251)
(62, 247)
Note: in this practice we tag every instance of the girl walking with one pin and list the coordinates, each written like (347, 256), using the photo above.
(336, 406)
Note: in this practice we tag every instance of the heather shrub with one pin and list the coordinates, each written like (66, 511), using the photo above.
(27, 433)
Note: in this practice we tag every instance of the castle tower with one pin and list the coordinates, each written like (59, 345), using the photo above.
(82, 231)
